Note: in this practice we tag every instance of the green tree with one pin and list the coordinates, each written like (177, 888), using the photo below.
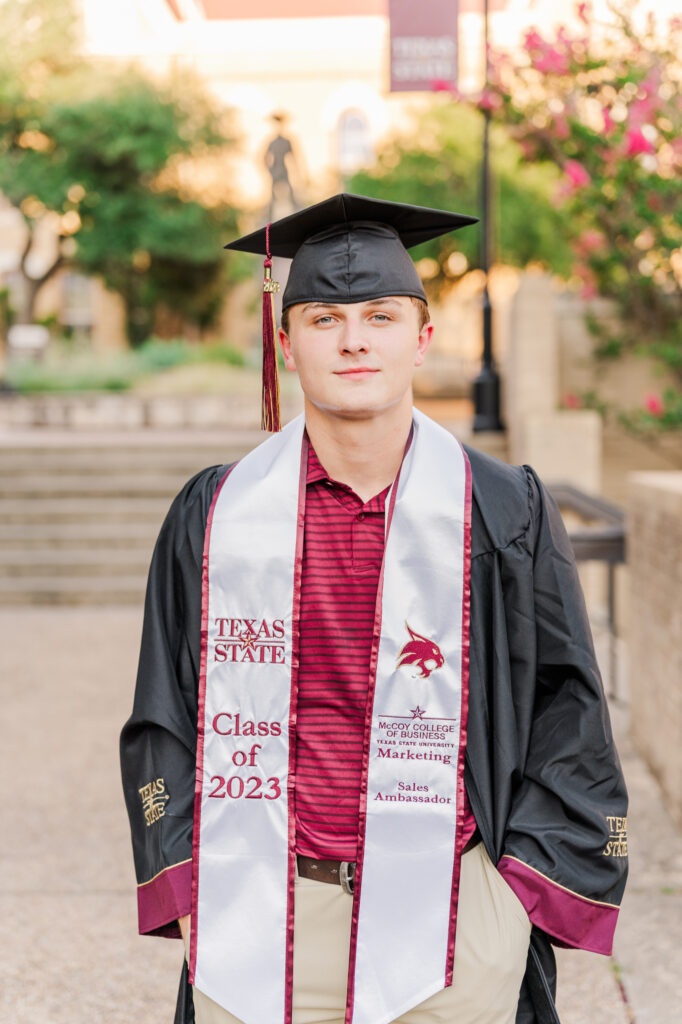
(603, 106)
(108, 158)
(436, 162)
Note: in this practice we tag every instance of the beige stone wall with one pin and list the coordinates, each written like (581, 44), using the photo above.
(563, 446)
(655, 628)
(625, 382)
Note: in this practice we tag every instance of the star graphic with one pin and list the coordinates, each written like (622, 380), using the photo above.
(247, 638)
(417, 712)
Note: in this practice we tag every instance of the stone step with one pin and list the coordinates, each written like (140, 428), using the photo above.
(129, 440)
(28, 535)
(111, 509)
(121, 485)
(79, 562)
(45, 590)
(25, 462)
(80, 513)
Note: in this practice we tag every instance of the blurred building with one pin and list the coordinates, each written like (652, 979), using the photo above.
(324, 63)
(312, 72)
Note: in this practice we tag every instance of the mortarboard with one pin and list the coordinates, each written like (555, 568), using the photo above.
(345, 249)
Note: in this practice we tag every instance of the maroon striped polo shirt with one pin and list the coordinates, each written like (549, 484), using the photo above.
(343, 549)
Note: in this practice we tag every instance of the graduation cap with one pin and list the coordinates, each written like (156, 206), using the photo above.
(345, 249)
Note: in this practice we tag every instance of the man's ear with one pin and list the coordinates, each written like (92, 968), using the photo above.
(286, 350)
(425, 336)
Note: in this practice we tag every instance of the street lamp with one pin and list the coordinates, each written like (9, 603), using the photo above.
(486, 387)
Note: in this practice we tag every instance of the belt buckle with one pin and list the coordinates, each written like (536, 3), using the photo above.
(347, 876)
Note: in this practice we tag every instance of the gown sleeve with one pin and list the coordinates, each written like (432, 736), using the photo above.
(158, 742)
(565, 852)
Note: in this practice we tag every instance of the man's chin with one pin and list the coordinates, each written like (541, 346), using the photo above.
(350, 411)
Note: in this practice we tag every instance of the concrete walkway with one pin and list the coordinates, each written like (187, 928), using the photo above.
(67, 907)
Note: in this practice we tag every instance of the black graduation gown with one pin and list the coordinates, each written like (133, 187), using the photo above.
(542, 773)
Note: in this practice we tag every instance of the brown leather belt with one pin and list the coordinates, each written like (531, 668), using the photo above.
(339, 872)
(342, 872)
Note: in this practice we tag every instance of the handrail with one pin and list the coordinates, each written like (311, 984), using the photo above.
(601, 539)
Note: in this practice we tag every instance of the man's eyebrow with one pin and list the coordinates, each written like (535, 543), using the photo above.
(319, 305)
(385, 301)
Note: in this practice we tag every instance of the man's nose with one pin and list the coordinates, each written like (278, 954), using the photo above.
(353, 337)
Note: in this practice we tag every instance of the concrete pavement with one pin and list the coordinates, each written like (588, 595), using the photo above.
(67, 903)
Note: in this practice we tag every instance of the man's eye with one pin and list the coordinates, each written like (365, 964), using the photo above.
(324, 320)
(380, 316)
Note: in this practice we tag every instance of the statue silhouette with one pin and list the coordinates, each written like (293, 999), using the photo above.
(279, 157)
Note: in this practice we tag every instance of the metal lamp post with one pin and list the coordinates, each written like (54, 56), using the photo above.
(486, 387)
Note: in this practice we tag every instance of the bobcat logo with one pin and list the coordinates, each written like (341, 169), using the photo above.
(421, 652)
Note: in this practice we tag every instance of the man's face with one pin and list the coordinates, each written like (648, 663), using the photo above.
(355, 360)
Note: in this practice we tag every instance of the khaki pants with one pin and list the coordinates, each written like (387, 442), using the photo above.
(493, 931)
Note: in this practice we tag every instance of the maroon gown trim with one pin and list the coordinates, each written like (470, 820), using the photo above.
(460, 838)
(163, 899)
(293, 710)
(568, 918)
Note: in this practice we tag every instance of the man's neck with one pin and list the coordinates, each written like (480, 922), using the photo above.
(365, 454)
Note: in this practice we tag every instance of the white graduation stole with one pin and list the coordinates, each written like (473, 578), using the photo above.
(402, 940)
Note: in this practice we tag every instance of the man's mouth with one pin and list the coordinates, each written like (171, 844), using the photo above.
(356, 371)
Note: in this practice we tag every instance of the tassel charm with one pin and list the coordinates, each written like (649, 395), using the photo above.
(270, 410)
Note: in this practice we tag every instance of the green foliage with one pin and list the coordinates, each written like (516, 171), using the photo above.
(659, 415)
(155, 355)
(602, 106)
(6, 311)
(109, 156)
(65, 372)
(436, 162)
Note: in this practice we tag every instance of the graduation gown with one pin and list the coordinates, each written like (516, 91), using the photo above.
(542, 773)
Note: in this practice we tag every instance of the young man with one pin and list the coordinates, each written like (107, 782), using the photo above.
(369, 648)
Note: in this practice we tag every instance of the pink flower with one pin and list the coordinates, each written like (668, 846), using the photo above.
(590, 241)
(441, 85)
(576, 174)
(608, 122)
(551, 62)
(654, 405)
(652, 83)
(561, 128)
(643, 111)
(533, 40)
(582, 11)
(637, 143)
(571, 401)
(489, 100)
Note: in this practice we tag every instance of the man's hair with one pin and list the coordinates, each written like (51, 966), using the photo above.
(422, 311)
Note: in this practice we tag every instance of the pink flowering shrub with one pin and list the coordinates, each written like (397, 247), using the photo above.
(604, 105)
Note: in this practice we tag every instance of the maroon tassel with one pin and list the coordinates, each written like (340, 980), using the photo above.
(270, 413)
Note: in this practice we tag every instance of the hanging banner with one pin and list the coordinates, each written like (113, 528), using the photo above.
(423, 44)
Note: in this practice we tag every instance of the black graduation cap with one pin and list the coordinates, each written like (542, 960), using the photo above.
(351, 248)
(345, 249)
